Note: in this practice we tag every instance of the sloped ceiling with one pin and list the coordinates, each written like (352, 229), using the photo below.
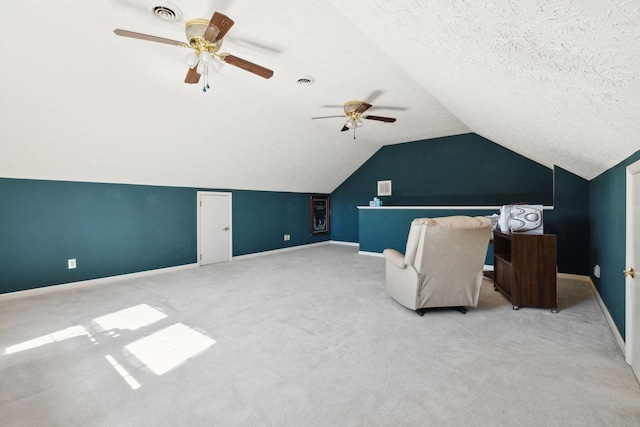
(556, 81)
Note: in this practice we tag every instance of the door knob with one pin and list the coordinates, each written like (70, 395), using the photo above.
(630, 272)
(226, 229)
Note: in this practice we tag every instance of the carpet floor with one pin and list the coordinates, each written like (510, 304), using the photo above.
(307, 337)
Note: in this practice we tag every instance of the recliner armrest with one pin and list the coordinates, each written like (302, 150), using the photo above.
(395, 258)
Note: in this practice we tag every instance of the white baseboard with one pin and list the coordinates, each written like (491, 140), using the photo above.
(612, 325)
(339, 242)
(103, 280)
(275, 251)
(91, 282)
(378, 254)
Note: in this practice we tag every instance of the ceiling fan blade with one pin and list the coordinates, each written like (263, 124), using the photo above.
(220, 22)
(246, 65)
(192, 76)
(380, 118)
(363, 107)
(374, 95)
(140, 36)
(327, 117)
(344, 128)
(387, 107)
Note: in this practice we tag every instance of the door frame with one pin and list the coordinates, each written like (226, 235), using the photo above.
(198, 204)
(630, 292)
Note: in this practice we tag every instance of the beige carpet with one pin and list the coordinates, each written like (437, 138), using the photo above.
(304, 338)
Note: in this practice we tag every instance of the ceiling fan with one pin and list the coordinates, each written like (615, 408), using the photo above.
(354, 112)
(205, 38)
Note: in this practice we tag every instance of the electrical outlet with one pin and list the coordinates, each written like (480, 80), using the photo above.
(596, 271)
(287, 237)
(71, 263)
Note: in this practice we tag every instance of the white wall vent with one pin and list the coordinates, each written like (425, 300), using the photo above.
(384, 188)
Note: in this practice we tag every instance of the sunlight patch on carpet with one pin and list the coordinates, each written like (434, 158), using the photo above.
(169, 347)
(131, 318)
(73, 331)
(123, 372)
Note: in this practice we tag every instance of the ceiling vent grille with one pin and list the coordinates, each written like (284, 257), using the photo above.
(306, 81)
(167, 12)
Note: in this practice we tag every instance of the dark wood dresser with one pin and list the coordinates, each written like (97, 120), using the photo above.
(524, 269)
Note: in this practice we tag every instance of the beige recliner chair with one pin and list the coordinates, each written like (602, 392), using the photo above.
(442, 264)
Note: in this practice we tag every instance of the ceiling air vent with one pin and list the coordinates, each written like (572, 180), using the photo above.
(167, 12)
(305, 81)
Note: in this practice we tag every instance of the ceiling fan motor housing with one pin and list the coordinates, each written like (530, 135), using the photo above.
(351, 106)
(194, 30)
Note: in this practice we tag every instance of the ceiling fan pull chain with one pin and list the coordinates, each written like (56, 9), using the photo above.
(206, 78)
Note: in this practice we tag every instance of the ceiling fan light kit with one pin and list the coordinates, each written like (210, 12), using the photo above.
(205, 38)
(353, 123)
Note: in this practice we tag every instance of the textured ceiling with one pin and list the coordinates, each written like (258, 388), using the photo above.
(557, 82)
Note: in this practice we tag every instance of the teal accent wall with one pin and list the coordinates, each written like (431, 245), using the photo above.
(389, 228)
(262, 218)
(114, 229)
(608, 237)
(461, 170)
(569, 221)
(110, 230)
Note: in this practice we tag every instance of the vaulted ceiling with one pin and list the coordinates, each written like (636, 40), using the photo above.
(556, 81)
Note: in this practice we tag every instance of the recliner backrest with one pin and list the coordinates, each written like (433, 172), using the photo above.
(451, 256)
(414, 240)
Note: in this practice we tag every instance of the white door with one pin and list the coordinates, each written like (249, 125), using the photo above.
(632, 326)
(214, 227)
